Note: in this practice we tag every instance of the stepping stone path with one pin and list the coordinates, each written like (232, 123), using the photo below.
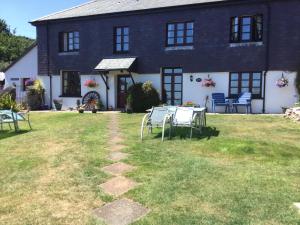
(122, 211)
(297, 206)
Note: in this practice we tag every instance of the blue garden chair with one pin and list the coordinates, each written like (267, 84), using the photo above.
(9, 117)
(218, 99)
(245, 100)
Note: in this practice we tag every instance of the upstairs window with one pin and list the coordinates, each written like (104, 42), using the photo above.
(246, 29)
(71, 85)
(245, 82)
(180, 34)
(69, 41)
(121, 36)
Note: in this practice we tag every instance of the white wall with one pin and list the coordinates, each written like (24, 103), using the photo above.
(192, 91)
(280, 97)
(26, 67)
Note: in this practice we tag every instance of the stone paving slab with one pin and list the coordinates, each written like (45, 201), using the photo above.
(118, 186)
(297, 206)
(117, 156)
(121, 212)
(117, 148)
(118, 168)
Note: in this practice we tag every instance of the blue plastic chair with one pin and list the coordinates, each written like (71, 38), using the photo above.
(218, 99)
(244, 99)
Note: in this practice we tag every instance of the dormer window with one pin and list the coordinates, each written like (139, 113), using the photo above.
(246, 29)
(69, 41)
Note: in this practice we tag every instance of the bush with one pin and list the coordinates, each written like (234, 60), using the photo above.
(35, 96)
(142, 97)
(7, 103)
(297, 81)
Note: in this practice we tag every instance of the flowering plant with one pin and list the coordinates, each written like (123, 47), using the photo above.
(208, 82)
(189, 104)
(282, 82)
(91, 84)
(29, 82)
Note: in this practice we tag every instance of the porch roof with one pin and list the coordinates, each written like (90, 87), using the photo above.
(115, 64)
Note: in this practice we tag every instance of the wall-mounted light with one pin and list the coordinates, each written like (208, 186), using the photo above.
(191, 78)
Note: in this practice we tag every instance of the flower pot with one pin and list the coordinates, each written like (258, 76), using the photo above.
(81, 110)
(94, 110)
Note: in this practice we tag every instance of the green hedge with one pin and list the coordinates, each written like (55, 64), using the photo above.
(142, 96)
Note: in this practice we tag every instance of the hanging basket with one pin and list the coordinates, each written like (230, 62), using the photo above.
(208, 82)
(282, 82)
(91, 84)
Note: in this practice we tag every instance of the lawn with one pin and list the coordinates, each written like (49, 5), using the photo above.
(240, 170)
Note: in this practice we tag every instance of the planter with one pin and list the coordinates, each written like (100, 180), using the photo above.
(81, 110)
(94, 110)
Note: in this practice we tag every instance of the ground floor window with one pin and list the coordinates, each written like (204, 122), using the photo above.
(245, 82)
(71, 85)
(172, 86)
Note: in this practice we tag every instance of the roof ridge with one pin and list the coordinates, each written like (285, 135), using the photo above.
(65, 10)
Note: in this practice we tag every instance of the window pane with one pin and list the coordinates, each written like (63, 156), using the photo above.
(246, 29)
(245, 83)
(234, 91)
(118, 39)
(246, 20)
(256, 83)
(168, 71)
(234, 83)
(126, 31)
(171, 41)
(234, 76)
(177, 102)
(118, 47)
(178, 70)
(177, 95)
(167, 87)
(76, 46)
(180, 33)
(190, 25)
(244, 89)
(171, 34)
(76, 34)
(168, 95)
(189, 40)
(71, 48)
(126, 47)
(256, 76)
(171, 27)
(256, 91)
(189, 33)
(126, 39)
(70, 35)
(177, 87)
(245, 76)
(167, 79)
(246, 36)
(119, 31)
(180, 26)
(179, 40)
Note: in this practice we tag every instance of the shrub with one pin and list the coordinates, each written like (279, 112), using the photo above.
(35, 96)
(142, 97)
(7, 103)
(297, 81)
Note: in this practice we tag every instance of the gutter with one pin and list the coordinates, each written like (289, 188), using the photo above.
(48, 65)
(267, 60)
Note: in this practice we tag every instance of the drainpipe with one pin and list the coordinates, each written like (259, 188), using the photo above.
(106, 78)
(267, 60)
(48, 65)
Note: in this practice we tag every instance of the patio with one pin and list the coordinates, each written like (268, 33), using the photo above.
(238, 167)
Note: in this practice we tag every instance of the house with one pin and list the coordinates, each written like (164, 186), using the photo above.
(21, 70)
(241, 45)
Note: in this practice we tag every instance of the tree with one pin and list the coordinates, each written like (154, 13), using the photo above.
(11, 45)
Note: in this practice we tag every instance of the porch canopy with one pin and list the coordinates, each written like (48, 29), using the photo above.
(115, 64)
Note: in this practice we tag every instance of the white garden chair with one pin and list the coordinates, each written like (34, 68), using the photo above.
(157, 117)
(188, 117)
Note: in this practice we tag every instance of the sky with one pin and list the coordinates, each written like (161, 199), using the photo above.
(18, 13)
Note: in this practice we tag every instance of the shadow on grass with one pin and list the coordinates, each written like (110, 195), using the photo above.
(184, 133)
(11, 133)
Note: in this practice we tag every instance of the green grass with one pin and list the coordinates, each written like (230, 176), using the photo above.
(240, 170)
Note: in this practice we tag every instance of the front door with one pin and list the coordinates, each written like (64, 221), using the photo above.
(124, 82)
(172, 86)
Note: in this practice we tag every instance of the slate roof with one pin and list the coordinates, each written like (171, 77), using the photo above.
(115, 64)
(98, 7)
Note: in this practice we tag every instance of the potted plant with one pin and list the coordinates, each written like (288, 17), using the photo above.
(208, 82)
(99, 105)
(57, 104)
(282, 82)
(94, 109)
(91, 84)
